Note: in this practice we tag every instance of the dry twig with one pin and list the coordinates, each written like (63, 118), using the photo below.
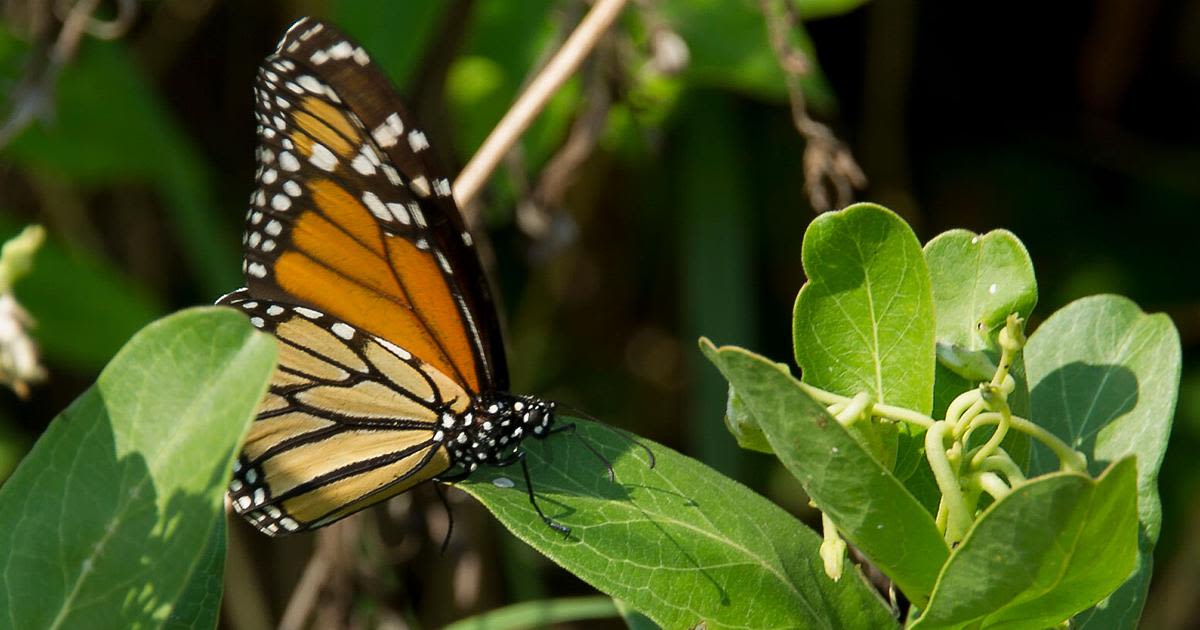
(34, 97)
(826, 159)
(534, 99)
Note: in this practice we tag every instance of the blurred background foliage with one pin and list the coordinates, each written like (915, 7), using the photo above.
(660, 196)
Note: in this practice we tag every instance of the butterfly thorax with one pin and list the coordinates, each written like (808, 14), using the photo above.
(491, 431)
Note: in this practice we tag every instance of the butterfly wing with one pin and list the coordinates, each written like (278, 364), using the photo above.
(350, 219)
(350, 419)
(356, 258)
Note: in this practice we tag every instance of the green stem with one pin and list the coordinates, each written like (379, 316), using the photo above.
(878, 409)
(963, 422)
(959, 405)
(1001, 462)
(992, 484)
(1070, 458)
(854, 410)
(993, 444)
(958, 517)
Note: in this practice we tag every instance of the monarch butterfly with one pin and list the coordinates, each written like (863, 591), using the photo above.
(391, 366)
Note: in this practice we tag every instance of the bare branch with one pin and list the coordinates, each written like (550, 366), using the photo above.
(534, 99)
(826, 159)
(34, 97)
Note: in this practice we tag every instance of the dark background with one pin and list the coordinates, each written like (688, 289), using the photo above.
(1072, 124)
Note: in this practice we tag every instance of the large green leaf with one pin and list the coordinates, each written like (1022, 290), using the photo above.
(870, 507)
(977, 281)
(678, 542)
(1104, 378)
(1051, 548)
(864, 320)
(108, 522)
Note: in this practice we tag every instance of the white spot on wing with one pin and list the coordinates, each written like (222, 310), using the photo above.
(442, 187)
(343, 330)
(310, 83)
(417, 140)
(376, 206)
(288, 161)
(396, 350)
(420, 185)
(388, 131)
(362, 164)
(400, 213)
(322, 157)
(341, 50)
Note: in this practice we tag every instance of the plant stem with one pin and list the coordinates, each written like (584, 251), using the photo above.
(958, 517)
(878, 409)
(993, 444)
(1070, 458)
(1003, 463)
(854, 410)
(992, 484)
(560, 67)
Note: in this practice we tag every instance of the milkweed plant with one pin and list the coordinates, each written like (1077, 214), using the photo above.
(994, 478)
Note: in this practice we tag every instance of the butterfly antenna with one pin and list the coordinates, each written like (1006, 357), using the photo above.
(558, 527)
(575, 411)
(449, 516)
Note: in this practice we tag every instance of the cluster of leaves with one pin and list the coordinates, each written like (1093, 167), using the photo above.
(1101, 379)
(137, 467)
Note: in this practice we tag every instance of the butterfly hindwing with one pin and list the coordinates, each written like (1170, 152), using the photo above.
(349, 420)
(350, 218)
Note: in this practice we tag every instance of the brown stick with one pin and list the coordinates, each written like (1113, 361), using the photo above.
(534, 99)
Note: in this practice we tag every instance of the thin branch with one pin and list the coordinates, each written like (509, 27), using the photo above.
(308, 589)
(34, 96)
(534, 99)
(826, 159)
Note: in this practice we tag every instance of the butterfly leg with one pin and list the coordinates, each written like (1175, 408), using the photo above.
(562, 529)
(449, 517)
(569, 429)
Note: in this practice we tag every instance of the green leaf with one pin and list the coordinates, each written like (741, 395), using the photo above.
(199, 606)
(109, 520)
(678, 542)
(977, 282)
(870, 507)
(1049, 549)
(1105, 377)
(539, 614)
(864, 320)
(110, 306)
